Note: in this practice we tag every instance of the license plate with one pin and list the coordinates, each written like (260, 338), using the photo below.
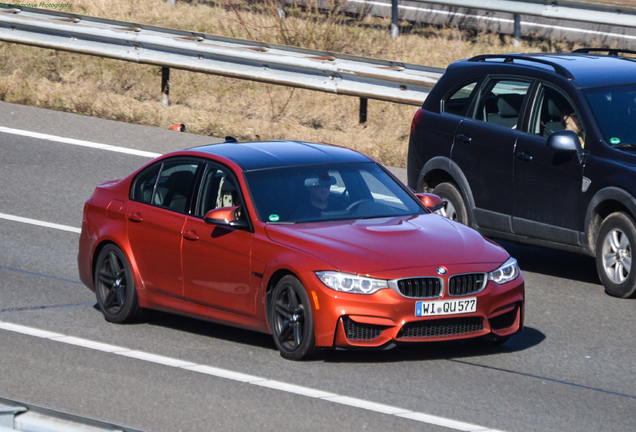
(445, 307)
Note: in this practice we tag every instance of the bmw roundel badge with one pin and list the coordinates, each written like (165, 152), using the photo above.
(442, 270)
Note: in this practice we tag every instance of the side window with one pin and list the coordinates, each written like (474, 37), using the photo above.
(554, 112)
(501, 103)
(458, 102)
(174, 187)
(144, 184)
(168, 184)
(218, 189)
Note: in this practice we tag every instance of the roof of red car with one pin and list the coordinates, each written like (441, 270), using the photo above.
(272, 154)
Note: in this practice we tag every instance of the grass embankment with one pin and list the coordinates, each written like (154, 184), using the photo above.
(219, 106)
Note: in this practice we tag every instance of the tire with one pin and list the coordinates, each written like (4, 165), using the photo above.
(115, 287)
(454, 205)
(614, 248)
(291, 320)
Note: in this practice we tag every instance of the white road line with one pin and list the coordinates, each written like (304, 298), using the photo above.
(39, 223)
(77, 142)
(249, 379)
(72, 141)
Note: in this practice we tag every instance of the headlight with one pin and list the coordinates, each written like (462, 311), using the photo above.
(351, 283)
(506, 273)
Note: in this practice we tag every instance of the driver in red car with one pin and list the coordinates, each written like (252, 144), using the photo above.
(318, 187)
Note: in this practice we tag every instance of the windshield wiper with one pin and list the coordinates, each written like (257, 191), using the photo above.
(625, 146)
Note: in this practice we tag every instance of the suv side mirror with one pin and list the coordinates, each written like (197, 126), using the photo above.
(226, 216)
(565, 140)
(431, 201)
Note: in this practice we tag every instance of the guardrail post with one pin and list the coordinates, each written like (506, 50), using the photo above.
(517, 30)
(395, 30)
(364, 102)
(165, 86)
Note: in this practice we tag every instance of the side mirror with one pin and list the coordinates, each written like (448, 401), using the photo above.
(567, 141)
(227, 216)
(431, 201)
(564, 140)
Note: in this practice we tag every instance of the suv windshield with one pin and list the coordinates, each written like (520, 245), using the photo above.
(328, 192)
(615, 111)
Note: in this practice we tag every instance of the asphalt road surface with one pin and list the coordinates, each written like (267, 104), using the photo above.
(572, 369)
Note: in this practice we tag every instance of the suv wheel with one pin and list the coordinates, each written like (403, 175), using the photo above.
(614, 244)
(454, 206)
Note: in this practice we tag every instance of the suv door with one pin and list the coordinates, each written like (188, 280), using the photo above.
(548, 183)
(484, 146)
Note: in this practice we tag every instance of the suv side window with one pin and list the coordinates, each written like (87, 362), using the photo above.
(554, 112)
(459, 101)
(501, 102)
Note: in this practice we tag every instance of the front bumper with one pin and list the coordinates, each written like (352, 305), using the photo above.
(386, 317)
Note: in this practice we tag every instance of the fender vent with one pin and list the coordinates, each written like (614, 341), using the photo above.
(358, 331)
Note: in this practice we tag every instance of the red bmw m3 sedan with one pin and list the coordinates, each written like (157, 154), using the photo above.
(318, 245)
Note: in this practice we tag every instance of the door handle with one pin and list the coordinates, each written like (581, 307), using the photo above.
(464, 138)
(190, 235)
(524, 156)
(135, 217)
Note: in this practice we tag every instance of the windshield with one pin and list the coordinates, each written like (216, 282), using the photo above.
(615, 111)
(328, 192)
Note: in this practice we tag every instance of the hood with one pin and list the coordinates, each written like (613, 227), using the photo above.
(370, 246)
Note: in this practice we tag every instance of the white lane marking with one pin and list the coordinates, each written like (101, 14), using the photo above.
(77, 142)
(39, 223)
(72, 141)
(249, 379)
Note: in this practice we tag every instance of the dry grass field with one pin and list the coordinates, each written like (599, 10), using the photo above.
(218, 106)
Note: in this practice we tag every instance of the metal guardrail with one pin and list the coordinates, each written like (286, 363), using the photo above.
(593, 13)
(270, 63)
(236, 58)
(575, 21)
(18, 416)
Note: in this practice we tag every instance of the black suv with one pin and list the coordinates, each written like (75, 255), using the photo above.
(537, 149)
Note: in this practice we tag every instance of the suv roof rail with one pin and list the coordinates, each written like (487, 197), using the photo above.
(510, 58)
(610, 51)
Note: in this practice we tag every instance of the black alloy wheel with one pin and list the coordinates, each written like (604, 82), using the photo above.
(115, 287)
(291, 320)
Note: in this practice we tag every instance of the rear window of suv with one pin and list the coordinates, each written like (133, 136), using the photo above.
(459, 101)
